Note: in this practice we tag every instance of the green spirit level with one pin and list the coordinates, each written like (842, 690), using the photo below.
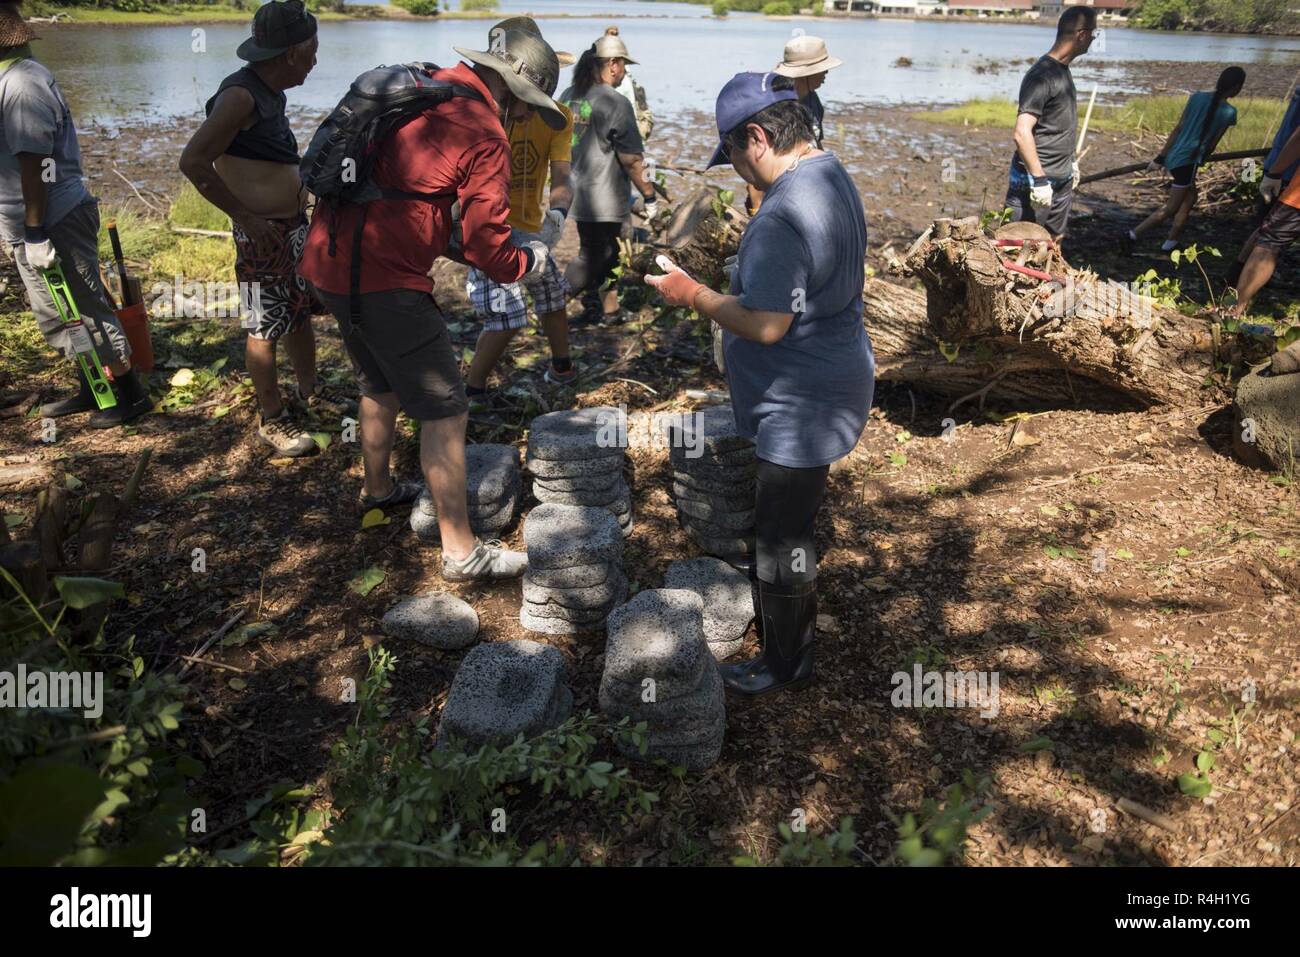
(79, 335)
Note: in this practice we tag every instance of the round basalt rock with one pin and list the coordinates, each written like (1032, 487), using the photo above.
(559, 536)
(722, 503)
(659, 634)
(681, 458)
(483, 519)
(600, 498)
(712, 428)
(725, 474)
(600, 596)
(582, 483)
(571, 434)
(574, 468)
(727, 548)
(713, 529)
(714, 515)
(438, 620)
(554, 626)
(728, 600)
(705, 486)
(576, 576)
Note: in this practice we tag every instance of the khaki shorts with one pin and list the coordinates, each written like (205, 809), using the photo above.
(402, 346)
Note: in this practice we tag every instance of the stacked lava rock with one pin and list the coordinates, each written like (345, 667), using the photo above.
(504, 689)
(713, 481)
(576, 458)
(575, 569)
(658, 669)
(493, 483)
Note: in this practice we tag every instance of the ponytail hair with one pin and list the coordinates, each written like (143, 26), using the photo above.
(586, 72)
(1230, 82)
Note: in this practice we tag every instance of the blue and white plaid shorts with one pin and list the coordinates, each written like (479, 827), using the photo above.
(504, 306)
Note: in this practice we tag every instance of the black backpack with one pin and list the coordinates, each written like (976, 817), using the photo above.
(338, 163)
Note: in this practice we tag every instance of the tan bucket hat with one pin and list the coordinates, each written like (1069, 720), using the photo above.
(806, 56)
(608, 47)
(529, 67)
(529, 24)
(14, 30)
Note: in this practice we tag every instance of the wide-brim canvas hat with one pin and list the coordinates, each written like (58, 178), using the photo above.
(277, 26)
(806, 56)
(530, 68)
(528, 23)
(610, 47)
(14, 30)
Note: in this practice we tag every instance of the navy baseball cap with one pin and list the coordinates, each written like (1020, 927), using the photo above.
(744, 95)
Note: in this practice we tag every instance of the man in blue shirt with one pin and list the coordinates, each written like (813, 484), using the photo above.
(799, 361)
(1270, 187)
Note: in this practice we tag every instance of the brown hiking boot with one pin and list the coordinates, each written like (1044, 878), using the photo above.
(285, 435)
(326, 400)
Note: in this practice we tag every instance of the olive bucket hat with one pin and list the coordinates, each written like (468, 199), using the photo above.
(529, 67)
(530, 25)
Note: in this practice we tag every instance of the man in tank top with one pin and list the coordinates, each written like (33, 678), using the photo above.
(244, 160)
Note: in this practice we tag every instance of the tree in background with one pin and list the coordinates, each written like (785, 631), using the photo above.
(1236, 16)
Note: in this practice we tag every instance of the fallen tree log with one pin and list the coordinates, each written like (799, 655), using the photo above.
(1138, 167)
(982, 329)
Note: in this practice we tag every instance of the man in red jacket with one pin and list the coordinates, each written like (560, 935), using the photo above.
(400, 348)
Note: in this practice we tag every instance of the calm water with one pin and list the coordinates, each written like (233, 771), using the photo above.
(118, 75)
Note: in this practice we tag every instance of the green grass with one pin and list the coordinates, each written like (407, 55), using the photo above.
(1257, 118)
(191, 210)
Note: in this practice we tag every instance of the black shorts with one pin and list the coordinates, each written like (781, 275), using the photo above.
(1281, 227)
(1184, 176)
(401, 345)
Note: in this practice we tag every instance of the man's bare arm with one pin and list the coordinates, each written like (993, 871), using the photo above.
(561, 185)
(1024, 137)
(634, 163)
(233, 109)
(754, 324)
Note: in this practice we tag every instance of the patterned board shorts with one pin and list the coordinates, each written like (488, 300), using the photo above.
(281, 301)
(503, 306)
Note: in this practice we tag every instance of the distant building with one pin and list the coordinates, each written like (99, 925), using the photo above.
(993, 8)
(1114, 10)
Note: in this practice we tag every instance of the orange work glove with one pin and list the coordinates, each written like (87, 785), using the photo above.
(676, 288)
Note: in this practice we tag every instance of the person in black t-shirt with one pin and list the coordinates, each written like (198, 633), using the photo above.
(1044, 171)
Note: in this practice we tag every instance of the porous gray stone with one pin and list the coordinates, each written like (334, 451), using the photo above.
(663, 711)
(1272, 404)
(504, 689)
(572, 468)
(724, 548)
(611, 497)
(728, 600)
(659, 634)
(600, 596)
(484, 518)
(553, 626)
(729, 519)
(560, 536)
(702, 470)
(575, 576)
(710, 487)
(712, 428)
(582, 483)
(571, 434)
(699, 527)
(736, 458)
(721, 502)
(656, 641)
(438, 620)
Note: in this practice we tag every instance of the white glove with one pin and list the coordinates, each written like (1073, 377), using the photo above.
(541, 256)
(1269, 187)
(1041, 195)
(651, 209)
(1075, 175)
(40, 255)
(552, 227)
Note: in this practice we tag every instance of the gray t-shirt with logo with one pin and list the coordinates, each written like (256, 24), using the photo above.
(1047, 92)
(604, 125)
(804, 399)
(34, 118)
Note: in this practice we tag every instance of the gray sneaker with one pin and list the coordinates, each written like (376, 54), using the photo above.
(488, 561)
(286, 436)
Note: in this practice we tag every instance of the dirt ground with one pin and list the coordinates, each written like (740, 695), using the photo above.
(1132, 584)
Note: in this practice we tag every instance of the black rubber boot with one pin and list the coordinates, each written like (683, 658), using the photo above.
(788, 621)
(132, 402)
(83, 401)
